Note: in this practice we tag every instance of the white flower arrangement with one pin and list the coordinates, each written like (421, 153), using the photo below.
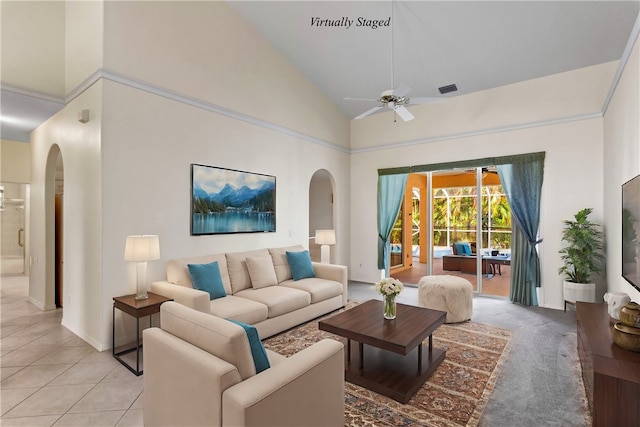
(389, 287)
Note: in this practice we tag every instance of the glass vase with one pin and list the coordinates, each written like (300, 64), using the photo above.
(389, 306)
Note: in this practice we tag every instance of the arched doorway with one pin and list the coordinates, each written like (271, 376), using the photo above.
(321, 209)
(54, 204)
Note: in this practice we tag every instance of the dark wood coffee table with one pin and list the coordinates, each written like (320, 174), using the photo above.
(392, 363)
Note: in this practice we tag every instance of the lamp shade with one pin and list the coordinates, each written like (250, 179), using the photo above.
(325, 237)
(142, 248)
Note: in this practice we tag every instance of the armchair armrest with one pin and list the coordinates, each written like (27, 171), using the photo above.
(307, 389)
(333, 272)
(198, 300)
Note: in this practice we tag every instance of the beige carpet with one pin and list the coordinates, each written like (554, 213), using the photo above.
(456, 393)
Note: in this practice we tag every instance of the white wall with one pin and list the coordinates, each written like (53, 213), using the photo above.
(621, 163)
(33, 45)
(205, 50)
(80, 146)
(83, 41)
(573, 166)
(193, 84)
(15, 161)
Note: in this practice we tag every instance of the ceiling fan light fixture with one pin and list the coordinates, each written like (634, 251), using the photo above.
(448, 88)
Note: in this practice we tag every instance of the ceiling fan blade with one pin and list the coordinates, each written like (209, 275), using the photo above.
(404, 113)
(401, 90)
(426, 100)
(366, 113)
(360, 99)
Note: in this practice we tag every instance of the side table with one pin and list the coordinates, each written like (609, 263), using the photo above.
(137, 309)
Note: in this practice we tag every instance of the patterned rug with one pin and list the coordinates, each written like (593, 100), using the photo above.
(456, 393)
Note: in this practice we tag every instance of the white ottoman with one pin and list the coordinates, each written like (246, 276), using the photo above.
(447, 293)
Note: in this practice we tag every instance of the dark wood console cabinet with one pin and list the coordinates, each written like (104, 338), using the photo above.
(611, 374)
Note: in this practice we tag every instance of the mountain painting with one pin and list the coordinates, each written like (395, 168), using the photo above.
(229, 201)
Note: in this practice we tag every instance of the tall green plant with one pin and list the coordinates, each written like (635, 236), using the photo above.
(583, 254)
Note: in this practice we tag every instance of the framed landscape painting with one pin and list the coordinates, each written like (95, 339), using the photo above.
(229, 201)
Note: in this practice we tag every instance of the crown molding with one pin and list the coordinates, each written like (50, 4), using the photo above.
(487, 131)
(195, 102)
(633, 38)
(204, 105)
(31, 93)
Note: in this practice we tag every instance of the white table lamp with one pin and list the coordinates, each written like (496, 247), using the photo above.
(325, 238)
(140, 249)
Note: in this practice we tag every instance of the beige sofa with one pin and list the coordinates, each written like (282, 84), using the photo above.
(282, 304)
(199, 371)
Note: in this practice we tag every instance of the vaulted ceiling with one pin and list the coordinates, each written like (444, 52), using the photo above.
(476, 45)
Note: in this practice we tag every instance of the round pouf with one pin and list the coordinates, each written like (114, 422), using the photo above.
(447, 293)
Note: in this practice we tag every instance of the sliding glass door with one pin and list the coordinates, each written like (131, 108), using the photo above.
(463, 229)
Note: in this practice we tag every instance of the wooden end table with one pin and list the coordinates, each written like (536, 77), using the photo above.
(392, 363)
(137, 309)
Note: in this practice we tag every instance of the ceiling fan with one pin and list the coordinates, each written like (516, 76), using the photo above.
(396, 99)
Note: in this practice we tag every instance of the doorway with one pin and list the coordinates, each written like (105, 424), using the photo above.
(13, 232)
(321, 210)
(466, 206)
(58, 221)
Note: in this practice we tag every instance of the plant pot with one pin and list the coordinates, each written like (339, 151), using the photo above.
(579, 292)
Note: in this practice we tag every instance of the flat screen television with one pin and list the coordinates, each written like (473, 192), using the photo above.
(631, 231)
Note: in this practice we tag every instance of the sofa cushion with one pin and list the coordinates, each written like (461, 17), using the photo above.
(300, 265)
(280, 263)
(462, 248)
(206, 277)
(238, 272)
(278, 299)
(212, 334)
(319, 289)
(178, 272)
(261, 271)
(260, 359)
(242, 309)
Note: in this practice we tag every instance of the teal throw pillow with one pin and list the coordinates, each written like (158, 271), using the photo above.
(300, 265)
(463, 248)
(206, 277)
(259, 354)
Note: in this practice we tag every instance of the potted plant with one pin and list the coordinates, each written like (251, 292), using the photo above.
(582, 257)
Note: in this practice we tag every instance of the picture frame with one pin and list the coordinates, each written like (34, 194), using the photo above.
(226, 201)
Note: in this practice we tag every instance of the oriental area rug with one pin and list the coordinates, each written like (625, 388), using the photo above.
(454, 395)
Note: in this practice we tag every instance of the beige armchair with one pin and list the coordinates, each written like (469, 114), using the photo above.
(199, 371)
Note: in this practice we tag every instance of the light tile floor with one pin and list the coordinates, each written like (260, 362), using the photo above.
(50, 377)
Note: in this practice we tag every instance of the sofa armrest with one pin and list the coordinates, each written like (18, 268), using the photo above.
(183, 384)
(198, 300)
(309, 384)
(333, 272)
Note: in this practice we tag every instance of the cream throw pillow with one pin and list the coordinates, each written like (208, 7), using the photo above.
(261, 272)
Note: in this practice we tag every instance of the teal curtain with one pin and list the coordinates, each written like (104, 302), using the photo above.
(522, 183)
(390, 194)
(524, 276)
